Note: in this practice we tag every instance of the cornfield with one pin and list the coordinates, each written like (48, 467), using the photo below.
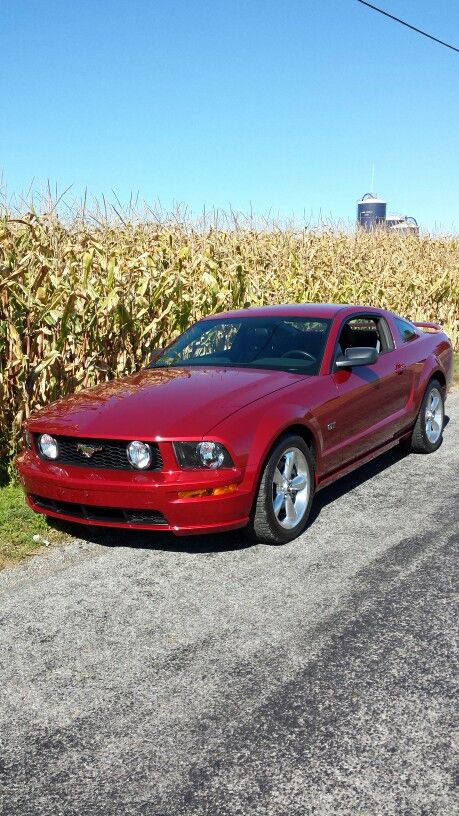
(82, 304)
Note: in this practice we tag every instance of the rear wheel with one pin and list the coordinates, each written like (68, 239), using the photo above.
(285, 493)
(427, 432)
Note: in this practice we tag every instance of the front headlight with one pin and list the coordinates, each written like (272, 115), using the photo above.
(192, 455)
(139, 455)
(47, 446)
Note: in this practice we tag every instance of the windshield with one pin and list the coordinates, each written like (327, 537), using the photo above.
(294, 344)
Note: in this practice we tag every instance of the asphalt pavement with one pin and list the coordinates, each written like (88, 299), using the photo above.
(144, 674)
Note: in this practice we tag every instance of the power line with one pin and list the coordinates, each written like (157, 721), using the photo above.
(413, 28)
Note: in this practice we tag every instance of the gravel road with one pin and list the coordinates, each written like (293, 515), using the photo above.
(143, 674)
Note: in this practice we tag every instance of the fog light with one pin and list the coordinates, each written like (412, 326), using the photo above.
(139, 455)
(47, 446)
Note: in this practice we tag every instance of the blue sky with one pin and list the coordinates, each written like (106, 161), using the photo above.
(282, 107)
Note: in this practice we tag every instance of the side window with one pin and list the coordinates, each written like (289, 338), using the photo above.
(368, 332)
(406, 330)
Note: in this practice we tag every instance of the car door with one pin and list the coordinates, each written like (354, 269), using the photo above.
(373, 399)
(410, 360)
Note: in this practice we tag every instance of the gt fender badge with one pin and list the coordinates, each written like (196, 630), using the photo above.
(331, 426)
(88, 450)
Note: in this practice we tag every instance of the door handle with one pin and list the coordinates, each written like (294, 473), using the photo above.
(400, 368)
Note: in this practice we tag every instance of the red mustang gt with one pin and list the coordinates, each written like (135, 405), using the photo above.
(239, 421)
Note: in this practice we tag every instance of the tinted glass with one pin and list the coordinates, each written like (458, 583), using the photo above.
(286, 344)
(406, 330)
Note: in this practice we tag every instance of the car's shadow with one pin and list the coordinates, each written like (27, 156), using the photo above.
(357, 477)
(154, 539)
(224, 542)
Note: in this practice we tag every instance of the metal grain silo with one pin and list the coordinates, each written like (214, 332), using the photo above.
(371, 212)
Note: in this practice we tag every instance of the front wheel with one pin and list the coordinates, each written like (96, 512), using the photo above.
(285, 493)
(428, 430)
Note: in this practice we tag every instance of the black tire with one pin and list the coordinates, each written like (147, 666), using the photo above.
(422, 440)
(267, 527)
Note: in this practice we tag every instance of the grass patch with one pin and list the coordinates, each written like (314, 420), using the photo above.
(18, 525)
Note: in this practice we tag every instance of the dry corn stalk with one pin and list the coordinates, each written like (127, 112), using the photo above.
(78, 306)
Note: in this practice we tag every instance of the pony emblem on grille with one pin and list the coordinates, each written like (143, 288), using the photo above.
(88, 450)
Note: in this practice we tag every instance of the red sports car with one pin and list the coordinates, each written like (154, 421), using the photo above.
(239, 421)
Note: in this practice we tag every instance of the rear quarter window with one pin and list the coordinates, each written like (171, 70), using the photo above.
(407, 332)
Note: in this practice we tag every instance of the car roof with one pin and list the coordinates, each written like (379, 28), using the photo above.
(319, 310)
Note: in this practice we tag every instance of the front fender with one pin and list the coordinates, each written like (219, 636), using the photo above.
(251, 432)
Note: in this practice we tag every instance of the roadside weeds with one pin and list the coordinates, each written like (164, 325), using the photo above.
(22, 532)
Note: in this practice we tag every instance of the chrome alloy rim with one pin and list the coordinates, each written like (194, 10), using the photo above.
(434, 416)
(291, 488)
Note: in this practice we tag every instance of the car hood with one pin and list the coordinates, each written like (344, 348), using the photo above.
(165, 403)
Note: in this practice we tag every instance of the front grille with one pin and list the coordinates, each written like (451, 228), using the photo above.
(112, 455)
(89, 512)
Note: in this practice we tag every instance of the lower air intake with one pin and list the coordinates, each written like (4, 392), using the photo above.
(88, 512)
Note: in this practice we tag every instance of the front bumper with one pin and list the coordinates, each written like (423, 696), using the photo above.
(99, 497)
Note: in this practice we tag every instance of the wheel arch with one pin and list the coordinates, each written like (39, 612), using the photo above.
(306, 433)
(431, 371)
(294, 428)
(440, 377)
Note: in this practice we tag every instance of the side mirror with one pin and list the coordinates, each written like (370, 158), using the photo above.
(361, 356)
